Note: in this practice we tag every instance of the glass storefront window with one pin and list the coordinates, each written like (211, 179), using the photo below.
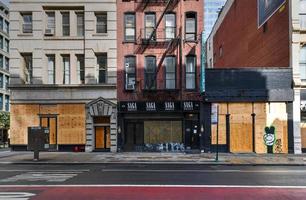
(163, 136)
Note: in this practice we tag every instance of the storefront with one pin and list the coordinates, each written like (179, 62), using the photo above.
(171, 126)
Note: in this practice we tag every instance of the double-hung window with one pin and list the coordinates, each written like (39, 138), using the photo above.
(28, 68)
(130, 72)
(190, 26)
(1, 61)
(6, 45)
(1, 23)
(51, 21)
(102, 67)
(1, 42)
(51, 69)
(1, 81)
(170, 77)
(6, 82)
(65, 23)
(150, 73)
(7, 103)
(150, 22)
(81, 69)
(66, 69)
(80, 24)
(303, 63)
(170, 26)
(7, 63)
(303, 14)
(27, 26)
(1, 101)
(101, 23)
(190, 78)
(6, 26)
(129, 27)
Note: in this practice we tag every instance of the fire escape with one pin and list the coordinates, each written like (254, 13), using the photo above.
(144, 41)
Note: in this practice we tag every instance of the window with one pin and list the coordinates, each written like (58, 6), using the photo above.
(6, 27)
(1, 61)
(1, 101)
(170, 26)
(149, 25)
(130, 28)
(7, 103)
(7, 63)
(27, 23)
(303, 14)
(28, 68)
(66, 69)
(80, 24)
(101, 23)
(51, 69)
(102, 64)
(190, 72)
(150, 72)
(1, 23)
(6, 45)
(190, 27)
(1, 41)
(170, 77)
(1, 81)
(51, 21)
(303, 63)
(81, 69)
(6, 82)
(130, 72)
(66, 24)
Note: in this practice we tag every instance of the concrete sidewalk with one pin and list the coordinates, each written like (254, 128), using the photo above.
(9, 157)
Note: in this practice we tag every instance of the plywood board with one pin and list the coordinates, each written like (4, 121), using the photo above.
(303, 134)
(22, 117)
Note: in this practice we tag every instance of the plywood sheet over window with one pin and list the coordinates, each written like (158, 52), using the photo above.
(22, 117)
(71, 124)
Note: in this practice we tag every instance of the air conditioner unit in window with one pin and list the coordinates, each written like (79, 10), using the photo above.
(49, 31)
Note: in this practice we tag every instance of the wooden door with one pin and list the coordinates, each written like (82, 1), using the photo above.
(50, 122)
(102, 137)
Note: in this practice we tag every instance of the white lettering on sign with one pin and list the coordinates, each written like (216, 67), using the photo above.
(169, 106)
(188, 105)
(150, 106)
(132, 106)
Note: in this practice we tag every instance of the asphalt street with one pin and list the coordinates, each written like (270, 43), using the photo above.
(151, 181)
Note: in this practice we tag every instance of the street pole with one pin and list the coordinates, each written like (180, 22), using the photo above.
(217, 150)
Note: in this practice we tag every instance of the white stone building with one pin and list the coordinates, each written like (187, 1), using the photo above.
(63, 66)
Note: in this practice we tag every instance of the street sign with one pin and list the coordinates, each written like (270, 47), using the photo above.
(214, 113)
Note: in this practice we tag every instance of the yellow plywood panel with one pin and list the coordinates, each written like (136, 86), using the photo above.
(48, 109)
(303, 134)
(71, 124)
(22, 117)
(52, 127)
(222, 131)
(260, 109)
(99, 138)
(239, 108)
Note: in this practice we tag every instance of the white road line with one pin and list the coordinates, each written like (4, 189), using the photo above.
(15, 195)
(22, 170)
(157, 186)
(204, 171)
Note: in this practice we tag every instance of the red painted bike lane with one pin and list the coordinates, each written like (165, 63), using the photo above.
(151, 193)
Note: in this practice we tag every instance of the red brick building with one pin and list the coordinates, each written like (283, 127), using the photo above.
(159, 59)
(251, 79)
(239, 42)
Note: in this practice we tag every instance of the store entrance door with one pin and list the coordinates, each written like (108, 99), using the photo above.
(51, 123)
(102, 138)
(133, 136)
(192, 138)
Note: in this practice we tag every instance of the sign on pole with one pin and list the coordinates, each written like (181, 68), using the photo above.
(267, 8)
(214, 113)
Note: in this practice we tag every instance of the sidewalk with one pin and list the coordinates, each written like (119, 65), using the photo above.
(8, 157)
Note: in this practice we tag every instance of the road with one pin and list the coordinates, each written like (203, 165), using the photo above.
(151, 181)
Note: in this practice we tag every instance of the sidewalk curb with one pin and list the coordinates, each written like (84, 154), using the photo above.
(153, 163)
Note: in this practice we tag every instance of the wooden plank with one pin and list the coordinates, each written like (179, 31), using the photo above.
(52, 128)
(99, 137)
(303, 134)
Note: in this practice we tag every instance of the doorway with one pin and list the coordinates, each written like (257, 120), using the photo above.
(192, 138)
(51, 123)
(102, 138)
(134, 136)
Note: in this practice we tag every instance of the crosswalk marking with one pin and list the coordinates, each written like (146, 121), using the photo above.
(48, 176)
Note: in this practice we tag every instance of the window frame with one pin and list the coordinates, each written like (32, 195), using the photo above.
(165, 72)
(195, 72)
(128, 73)
(53, 70)
(80, 27)
(145, 27)
(171, 27)
(28, 60)
(126, 28)
(48, 24)
(98, 25)
(29, 24)
(7, 103)
(302, 13)
(67, 26)
(81, 68)
(146, 73)
(302, 63)
(100, 69)
(195, 28)
(64, 56)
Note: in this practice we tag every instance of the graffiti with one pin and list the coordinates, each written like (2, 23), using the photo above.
(164, 147)
(269, 137)
(278, 146)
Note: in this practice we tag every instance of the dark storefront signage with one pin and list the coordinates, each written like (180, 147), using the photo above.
(167, 106)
